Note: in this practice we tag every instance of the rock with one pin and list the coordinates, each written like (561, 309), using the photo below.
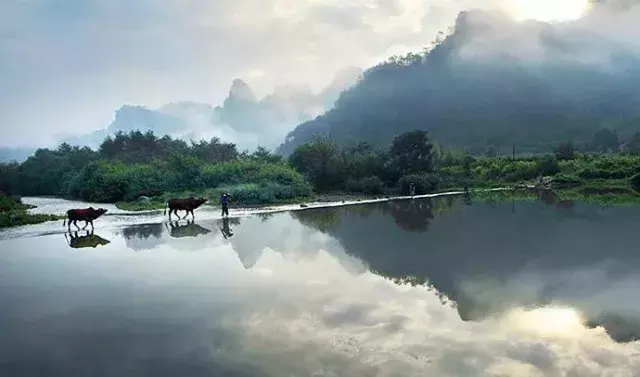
(144, 199)
(303, 206)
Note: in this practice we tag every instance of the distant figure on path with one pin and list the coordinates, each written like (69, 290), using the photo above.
(83, 214)
(412, 189)
(185, 204)
(224, 202)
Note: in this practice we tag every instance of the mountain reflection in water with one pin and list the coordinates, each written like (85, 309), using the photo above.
(335, 291)
(488, 257)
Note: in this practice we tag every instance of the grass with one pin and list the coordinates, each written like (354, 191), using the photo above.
(21, 217)
(589, 194)
(14, 213)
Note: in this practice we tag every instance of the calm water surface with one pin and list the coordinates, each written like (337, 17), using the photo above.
(441, 287)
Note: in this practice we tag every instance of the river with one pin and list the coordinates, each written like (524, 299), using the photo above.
(442, 287)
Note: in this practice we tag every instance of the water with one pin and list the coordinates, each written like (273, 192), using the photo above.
(402, 288)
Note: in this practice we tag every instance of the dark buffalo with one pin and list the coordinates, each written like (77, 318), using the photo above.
(190, 230)
(88, 240)
(183, 204)
(83, 214)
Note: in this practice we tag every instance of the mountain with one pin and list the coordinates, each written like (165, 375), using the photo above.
(495, 81)
(15, 154)
(242, 118)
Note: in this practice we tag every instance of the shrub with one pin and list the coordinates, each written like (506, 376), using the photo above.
(21, 217)
(424, 184)
(370, 185)
(548, 165)
(635, 181)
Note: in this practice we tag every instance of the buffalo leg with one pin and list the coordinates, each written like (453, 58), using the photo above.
(75, 222)
(86, 224)
(192, 215)
(91, 221)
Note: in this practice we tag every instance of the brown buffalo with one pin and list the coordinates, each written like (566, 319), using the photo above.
(83, 214)
(183, 204)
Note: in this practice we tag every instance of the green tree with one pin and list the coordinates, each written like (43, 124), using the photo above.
(634, 144)
(412, 153)
(565, 151)
(321, 162)
(606, 140)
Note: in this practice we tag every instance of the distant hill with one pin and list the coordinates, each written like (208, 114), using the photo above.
(494, 82)
(15, 154)
(242, 118)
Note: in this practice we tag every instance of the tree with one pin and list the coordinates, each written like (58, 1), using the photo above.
(606, 140)
(548, 165)
(321, 162)
(565, 151)
(263, 154)
(412, 153)
(491, 151)
(634, 144)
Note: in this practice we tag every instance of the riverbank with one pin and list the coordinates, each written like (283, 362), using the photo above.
(335, 197)
(14, 213)
(597, 194)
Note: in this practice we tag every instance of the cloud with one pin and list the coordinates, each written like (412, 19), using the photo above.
(327, 321)
(66, 65)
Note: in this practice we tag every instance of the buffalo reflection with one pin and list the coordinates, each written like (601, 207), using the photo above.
(191, 229)
(88, 240)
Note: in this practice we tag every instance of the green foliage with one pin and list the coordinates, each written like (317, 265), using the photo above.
(370, 185)
(548, 165)
(320, 161)
(11, 203)
(14, 213)
(18, 218)
(606, 140)
(565, 151)
(424, 184)
(128, 166)
(412, 153)
(635, 181)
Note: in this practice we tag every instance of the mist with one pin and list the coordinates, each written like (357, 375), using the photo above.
(66, 66)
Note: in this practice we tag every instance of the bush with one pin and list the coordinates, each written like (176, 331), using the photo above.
(424, 184)
(21, 217)
(548, 165)
(635, 181)
(10, 203)
(370, 186)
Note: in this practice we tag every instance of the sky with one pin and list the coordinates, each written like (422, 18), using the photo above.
(67, 65)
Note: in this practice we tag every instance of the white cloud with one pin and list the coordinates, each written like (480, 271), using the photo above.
(327, 321)
(65, 66)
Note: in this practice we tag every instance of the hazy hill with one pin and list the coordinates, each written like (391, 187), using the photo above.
(494, 81)
(242, 118)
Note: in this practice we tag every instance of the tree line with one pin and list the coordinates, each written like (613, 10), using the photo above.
(130, 165)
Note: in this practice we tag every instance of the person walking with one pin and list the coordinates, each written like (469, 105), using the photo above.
(224, 202)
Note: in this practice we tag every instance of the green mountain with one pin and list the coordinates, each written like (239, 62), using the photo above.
(492, 81)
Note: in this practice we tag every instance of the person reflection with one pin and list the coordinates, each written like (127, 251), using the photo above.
(190, 230)
(226, 231)
(88, 240)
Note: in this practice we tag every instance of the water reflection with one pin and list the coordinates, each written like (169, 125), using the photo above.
(89, 239)
(190, 229)
(321, 292)
(224, 226)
